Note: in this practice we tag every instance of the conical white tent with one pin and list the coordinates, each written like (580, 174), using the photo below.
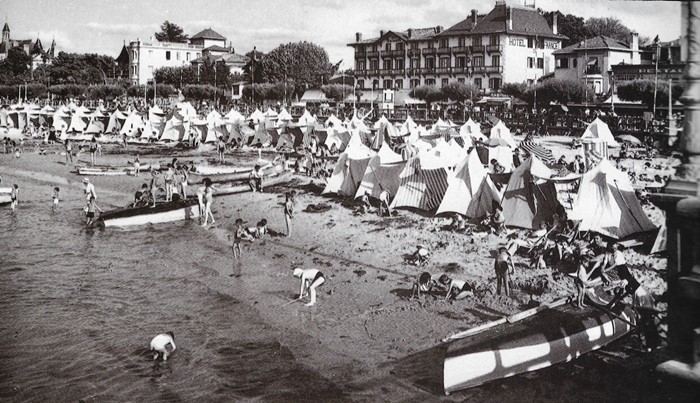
(470, 191)
(132, 124)
(349, 170)
(500, 131)
(116, 120)
(606, 203)
(382, 173)
(256, 116)
(599, 131)
(333, 121)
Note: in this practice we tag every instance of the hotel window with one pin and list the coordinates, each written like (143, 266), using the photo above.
(414, 45)
(530, 42)
(478, 61)
(431, 44)
(445, 81)
(360, 65)
(477, 83)
(461, 61)
(494, 40)
(575, 63)
(399, 84)
(444, 43)
(415, 63)
(495, 84)
(563, 63)
(476, 41)
(430, 63)
(387, 64)
(399, 46)
(361, 83)
(374, 64)
(495, 60)
(150, 69)
(374, 47)
(444, 62)
(387, 46)
(388, 84)
(177, 55)
(530, 62)
(415, 83)
(198, 55)
(167, 55)
(460, 80)
(136, 55)
(462, 41)
(540, 63)
(398, 64)
(187, 56)
(429, 81)
(375, 84)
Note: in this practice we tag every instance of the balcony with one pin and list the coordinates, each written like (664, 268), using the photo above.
(384, 72)
(479, 69)
(444, 51)
(443, 70)
(397, 72)
(362, 72)
(592, 70)
(372, 72)
(372, 53)
(493, 69)
(460, 70)
(459, 50)
(413, 72)
(427, 70)
(413, 52)
(494, 48)
(429, 51)
(478, 48)
(394, 53)
(360, 53)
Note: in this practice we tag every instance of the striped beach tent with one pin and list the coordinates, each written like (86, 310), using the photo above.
(382, 173)
(530, 198)
(544, 154)
(350, 168)
(423, 184)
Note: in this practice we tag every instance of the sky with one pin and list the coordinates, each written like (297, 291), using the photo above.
(102, 26)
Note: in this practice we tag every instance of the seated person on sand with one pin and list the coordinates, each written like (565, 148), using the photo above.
(384, 203)
(456, 289)
(497, 221)
(365, 206)
(256, 179)
(420, 256)
(425, 284)
(260, 229)
(459, 224)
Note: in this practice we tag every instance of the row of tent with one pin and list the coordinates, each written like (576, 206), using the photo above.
(447, 179)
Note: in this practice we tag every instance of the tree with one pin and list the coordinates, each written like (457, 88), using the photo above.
(459, 92)
(76, 68)
(170, 32)
(571, 26)
(17, 62)
(105, 92)
(643, 90)
(337, 92)
(304, 64)
(558, 91)
(253, 70)
(515, 90)
(199, 92)
(428, 93)
(64, 91)
(608, 26)
(176, 76)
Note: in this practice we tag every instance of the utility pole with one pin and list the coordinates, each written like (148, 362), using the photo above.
(656, 75)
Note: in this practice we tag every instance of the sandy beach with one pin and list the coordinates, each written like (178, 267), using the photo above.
(365, 334)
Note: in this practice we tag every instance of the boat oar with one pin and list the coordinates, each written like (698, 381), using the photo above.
(294, 300)
(507, 319)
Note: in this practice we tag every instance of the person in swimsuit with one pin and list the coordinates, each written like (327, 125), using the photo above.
(384, 197)
(56, 190)
(456, 289)
(93, 150)
(69, 152)
(425, 284)
(256, 179)
(159, 345)
(184, 177)
(208, 196)
(260, 229)
(502, 265)
(91, 208)
(169, 180)
(239, 234)
(288, 212)
(137, 165)
(310, 280)
(221, 148)
(14, 196)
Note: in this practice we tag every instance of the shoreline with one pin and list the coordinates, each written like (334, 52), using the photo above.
(363, 334)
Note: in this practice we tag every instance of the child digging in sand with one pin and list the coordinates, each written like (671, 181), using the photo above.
(310, 279)
(456, 289)
(425, 284)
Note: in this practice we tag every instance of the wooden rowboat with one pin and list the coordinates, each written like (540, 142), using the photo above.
(204, 170)
(161, 213)
(555, 335)
(91, 171)
(238, 187)
(240, 176)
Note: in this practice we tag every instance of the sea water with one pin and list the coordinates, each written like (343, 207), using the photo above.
(78, 308)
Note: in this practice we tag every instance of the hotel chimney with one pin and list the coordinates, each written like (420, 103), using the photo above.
(474, 17)
(410, 33)
(358, 37)
(555, 29)
(509, 17)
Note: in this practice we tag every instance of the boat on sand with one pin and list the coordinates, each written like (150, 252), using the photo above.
(552, 336)
(161, 213)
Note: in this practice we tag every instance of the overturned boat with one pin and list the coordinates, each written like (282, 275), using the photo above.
(274, 178)
(161, 213)
(552, 336)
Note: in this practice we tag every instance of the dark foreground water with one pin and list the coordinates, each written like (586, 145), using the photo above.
(79, 307)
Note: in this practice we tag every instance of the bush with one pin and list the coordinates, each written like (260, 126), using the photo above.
(428, 93)
(337, 92)
(199, 92)
(105, 92)
(643, 90)
(65, 91)
(459, 92)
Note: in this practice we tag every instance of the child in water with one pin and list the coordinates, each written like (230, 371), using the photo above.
(90, 214)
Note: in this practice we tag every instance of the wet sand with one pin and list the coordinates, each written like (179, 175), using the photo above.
(364, 334)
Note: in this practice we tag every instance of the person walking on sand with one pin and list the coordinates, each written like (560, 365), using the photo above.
(310, 280)
(221, 148)
(93, 151)
(137, 165)
(56, 190)
(288, 212)
(208, 195)
(169, 179)
(14, 196)
(503, 264)
(184, 177)
(69, 152)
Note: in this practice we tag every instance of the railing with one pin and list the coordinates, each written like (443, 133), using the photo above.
(479, 69)
(413, 52)
(427, 70)
(429, 51)
(477, 48)
(384, 72)
(372, 53)
(494, 48)
(361, 72)
(360, 53)
(591, 70)
(397, 72)
(459, 50)
(372, 72)
(460, 70)
(443, 70)
(395, 53)
(493, 69)
(444, 51)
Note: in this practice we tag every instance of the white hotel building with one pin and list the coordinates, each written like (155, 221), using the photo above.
(510, 44)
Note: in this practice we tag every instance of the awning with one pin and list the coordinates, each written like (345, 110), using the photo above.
(592, 61)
